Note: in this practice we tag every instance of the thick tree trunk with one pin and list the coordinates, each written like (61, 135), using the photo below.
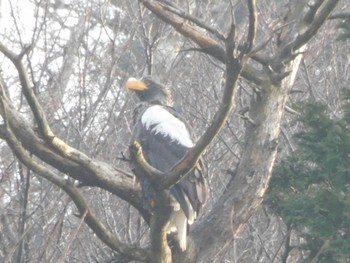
(246, 191)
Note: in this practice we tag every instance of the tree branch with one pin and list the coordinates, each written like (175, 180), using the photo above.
(160, 250)
(44, 128)
(103, 175)
(304, 25)
(177, 11)
(318, 13)
(340, 16)
(151, 174)
(245, 192)
(207, 44)
(28, 92)
(90, 219)
(252, 25)
(234, 67)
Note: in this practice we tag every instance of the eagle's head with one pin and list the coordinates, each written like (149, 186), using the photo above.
(149, 90)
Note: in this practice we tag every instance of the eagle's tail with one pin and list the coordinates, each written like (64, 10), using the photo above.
(178, 223)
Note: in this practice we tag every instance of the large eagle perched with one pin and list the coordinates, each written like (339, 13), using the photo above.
(165, 138)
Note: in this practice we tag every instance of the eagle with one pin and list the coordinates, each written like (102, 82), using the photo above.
(165, 137)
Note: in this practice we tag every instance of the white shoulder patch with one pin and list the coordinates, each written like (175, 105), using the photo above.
(166, 124)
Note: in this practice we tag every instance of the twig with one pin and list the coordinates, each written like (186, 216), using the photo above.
(176, 10)
(90, 219)
(43, 125)
(92, 172)
(207, 44)
(123, 157)
(70, 242)
(252, 25)
(291, 111)
(320, 251)
(247, 118)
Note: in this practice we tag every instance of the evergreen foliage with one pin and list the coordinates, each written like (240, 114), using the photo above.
(311, 188)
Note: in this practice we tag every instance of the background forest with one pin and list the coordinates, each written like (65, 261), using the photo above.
(66, 190)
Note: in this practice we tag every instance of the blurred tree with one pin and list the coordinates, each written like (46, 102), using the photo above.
(310, 188)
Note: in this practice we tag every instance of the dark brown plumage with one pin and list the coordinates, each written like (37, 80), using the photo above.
(165, 138)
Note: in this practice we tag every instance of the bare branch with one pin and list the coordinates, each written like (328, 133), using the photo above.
(176, 10)
(319, 14)
(102, 175)
(234, 67)
(252, 25)
(340, 16)
(28, 92)
(303, 30)
(207, 44)
(321, 250)
(310, 15)
(39, 114)
(91, 220)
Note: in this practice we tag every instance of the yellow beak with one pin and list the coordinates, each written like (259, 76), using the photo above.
(135, 84)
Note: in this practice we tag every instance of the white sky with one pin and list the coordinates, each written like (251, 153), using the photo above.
(25, 13)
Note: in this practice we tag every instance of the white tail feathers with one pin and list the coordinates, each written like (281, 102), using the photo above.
(178, 223)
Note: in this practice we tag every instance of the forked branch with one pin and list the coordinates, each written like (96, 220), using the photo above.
(74, 193)
(39, 115)
(319, 13)
(57, 153)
